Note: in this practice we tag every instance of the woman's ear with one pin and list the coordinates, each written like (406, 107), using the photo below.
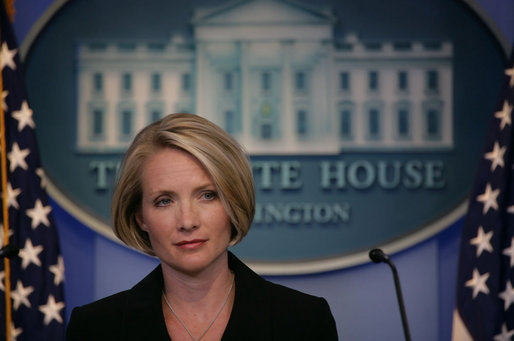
(140, 222)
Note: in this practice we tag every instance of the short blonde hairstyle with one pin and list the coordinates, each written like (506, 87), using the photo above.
(221, 156)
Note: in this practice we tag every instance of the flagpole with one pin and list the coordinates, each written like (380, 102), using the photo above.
(5, 211)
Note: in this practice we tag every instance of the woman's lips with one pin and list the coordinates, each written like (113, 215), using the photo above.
(191, 244)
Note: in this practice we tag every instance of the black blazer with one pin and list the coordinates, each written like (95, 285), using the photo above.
(262, 311)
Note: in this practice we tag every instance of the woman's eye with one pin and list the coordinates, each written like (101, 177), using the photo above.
(209, 195)
(163, 202)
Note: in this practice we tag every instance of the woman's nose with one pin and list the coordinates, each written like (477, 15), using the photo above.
(188, 217)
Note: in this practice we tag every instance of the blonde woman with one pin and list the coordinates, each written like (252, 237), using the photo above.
(185, 194)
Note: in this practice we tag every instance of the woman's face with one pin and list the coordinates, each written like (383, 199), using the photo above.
(188, 226)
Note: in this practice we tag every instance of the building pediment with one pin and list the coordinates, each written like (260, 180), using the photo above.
(262, 20)
(262, 12)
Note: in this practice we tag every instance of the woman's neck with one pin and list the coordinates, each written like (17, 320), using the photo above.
(198, 304)
(198, 289)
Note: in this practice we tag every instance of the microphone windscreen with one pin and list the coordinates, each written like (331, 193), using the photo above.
(377, 256)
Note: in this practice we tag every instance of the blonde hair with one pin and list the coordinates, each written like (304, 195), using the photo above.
(221, 156)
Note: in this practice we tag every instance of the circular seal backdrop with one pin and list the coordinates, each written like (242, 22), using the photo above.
(364, 120)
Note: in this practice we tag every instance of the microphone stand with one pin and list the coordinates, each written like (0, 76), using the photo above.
(378, 256)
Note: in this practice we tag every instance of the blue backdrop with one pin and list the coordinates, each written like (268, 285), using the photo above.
(362, 298)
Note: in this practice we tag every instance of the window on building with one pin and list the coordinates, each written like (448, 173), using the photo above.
(266, 81)
(155, 115)
(433, 121)
(127, 47)
(228, 81)
(345, 128)
(373, 123)
(403, 122)
(156, 47)
(300, 81)
(97, 47)
(156, 82)
(402, 46)
(373, 46)
(186, 82)
(126, 82)
(301, 122)
(266, 131)
(230, 122)
(432, 80)
(403, 81)
(126, 122)
(98, 82)
(97, 123)
(373, 80)
(433, 45)
(344, 81)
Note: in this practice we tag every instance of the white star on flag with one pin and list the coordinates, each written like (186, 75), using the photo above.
(496, 156)
(488, 198)
(58, 271)
(42, 179)
(7, 57)
(505, 334)
(20, 295)
(4, 96)
(12, 194)
(17, 157)
(477, 282)
(482, 241)
(15, 332)
(507, 295)
(9, 234)
(510, 72)
(510, 252)
(51, 310)
(29, 254)
(39, 214)
(24, 116)
(504, 114)
(2, 276)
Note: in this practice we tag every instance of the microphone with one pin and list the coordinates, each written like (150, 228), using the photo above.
(378, 256)
(9, 251)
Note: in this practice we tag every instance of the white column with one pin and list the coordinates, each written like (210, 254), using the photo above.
(358, 86)
(246, 114)
(287, 115)
(84, 121)
(201, 79)
(112, 88)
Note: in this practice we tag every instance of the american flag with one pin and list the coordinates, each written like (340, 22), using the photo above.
(37, 274)
(485, 284)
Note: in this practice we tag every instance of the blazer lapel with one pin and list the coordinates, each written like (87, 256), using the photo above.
(250, 318)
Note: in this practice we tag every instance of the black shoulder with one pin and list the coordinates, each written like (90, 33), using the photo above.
(309, 314)
(113, 317)
(293, 298)
(97, 320)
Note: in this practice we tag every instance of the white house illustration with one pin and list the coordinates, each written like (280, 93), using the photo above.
(272, 74)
